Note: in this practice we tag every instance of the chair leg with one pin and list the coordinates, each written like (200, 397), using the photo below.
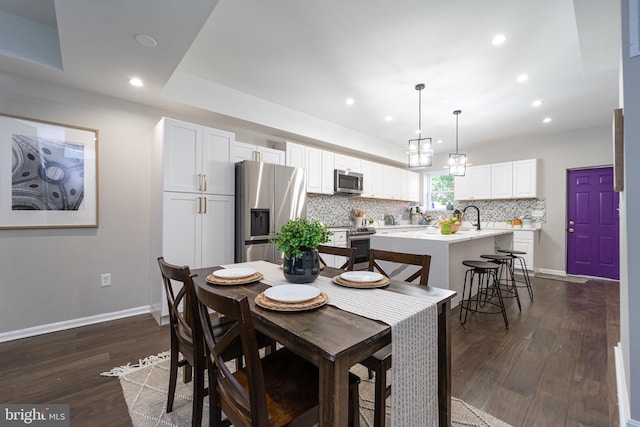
(173, 378)
(380, 397)
(199, 393)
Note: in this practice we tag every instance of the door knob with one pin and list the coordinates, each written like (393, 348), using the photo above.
(571, 230)
(571, 223)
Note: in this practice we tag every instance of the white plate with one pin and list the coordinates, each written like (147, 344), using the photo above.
(361, 276)
(292, 293)
(234, 273)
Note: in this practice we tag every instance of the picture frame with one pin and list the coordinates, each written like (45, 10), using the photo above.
(48, 174)
(618, 150)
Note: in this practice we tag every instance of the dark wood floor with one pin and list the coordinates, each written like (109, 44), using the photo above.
(554, 367)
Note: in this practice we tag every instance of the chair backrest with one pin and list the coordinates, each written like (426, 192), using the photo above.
(240, 407)
(185, 323)
(423, 261)
(349, 253)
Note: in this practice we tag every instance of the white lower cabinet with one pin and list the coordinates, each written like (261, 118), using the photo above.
(525, 240)
(197, 231)
(339, 238)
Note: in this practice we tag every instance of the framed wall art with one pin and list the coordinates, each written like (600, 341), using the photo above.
(48, 174)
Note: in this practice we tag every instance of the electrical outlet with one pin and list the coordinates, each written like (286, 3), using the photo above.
(105, 280)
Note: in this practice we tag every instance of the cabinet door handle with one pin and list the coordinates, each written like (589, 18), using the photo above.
(199, 182)
(204, 211)
(204, 186)
(199, 205)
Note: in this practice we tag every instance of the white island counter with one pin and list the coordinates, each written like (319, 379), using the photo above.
(447, 251)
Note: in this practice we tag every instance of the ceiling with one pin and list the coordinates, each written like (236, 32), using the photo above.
(303, 59)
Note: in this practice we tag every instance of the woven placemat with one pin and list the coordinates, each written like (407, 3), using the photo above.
(362, 285)
(265, 302)
(212, 278)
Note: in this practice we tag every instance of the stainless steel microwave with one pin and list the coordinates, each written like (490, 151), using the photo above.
(347, 182)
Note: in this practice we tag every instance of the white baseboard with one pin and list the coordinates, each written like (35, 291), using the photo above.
(624, 410)
(552, 272)
(73, 323)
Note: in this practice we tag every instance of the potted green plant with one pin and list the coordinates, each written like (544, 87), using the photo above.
(298, 240)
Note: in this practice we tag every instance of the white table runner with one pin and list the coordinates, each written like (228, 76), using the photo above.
(414, 330)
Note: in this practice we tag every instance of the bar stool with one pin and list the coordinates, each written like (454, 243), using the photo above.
(517, 256)
(506, 270)
(487, 287)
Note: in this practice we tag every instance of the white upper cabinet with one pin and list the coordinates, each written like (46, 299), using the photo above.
(244, 151)
(197, 159)
(508, 180)
(412, 186)
(313, 166)
(525, 178)
(328, 159)
(349, 163)
(372, 185)
(476, 184)
(392, 179)
(295, 155)
(501, 181)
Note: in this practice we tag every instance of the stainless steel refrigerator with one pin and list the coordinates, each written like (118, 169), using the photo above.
(267, 196)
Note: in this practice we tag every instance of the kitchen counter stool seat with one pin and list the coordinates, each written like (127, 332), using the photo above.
(487, 289)
(518, 256)
(505, 274)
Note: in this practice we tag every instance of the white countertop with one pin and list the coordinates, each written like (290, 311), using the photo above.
(435, 235)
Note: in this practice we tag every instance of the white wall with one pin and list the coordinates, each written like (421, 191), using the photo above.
(630, 277)
(557, 153)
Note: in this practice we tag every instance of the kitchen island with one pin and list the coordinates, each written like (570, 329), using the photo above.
(447, 252)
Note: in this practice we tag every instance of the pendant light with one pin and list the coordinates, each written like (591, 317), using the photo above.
(420, 151)
(457, 161)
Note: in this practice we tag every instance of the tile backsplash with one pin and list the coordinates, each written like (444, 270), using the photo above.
(334, 210)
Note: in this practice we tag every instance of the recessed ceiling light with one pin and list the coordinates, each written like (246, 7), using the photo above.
(546, 120)
(350, 101)
(146, 41)
(523, 77)
(498, 39)
(439, 142)
(136, 82)
(536, 103)
(388, 119)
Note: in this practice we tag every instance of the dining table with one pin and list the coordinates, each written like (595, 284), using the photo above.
(335, 340)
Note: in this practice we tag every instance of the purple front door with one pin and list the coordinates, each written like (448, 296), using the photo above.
(592, 224)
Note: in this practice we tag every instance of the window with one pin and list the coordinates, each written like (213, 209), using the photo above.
(439, 187)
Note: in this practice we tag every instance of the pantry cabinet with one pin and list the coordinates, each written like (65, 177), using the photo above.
(192, 201)
(197, 159)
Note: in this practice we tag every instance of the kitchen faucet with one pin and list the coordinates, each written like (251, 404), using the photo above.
(477, 210)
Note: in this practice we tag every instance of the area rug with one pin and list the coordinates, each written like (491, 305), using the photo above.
(144, 386)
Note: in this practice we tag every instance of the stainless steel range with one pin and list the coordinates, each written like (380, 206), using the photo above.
(359, 238)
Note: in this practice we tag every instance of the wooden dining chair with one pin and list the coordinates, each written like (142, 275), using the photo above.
(185, 328)
(187, 338)
(380, 362)
(279, 390)
(349, 253)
